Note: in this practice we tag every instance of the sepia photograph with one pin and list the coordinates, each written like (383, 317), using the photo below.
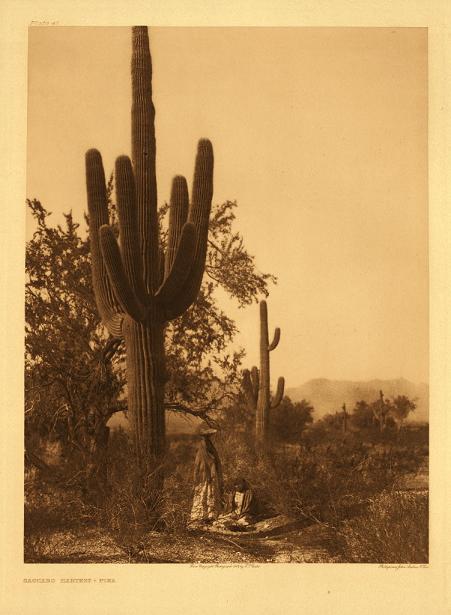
(226, 296)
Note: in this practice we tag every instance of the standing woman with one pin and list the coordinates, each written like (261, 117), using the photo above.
(208, 482)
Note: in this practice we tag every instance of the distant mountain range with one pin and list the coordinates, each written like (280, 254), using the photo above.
(329, 395)
(325, 395)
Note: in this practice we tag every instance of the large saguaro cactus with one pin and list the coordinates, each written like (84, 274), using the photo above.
(138, 288)
(256, 383)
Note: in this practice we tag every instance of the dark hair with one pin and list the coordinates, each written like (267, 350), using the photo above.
(241, 484)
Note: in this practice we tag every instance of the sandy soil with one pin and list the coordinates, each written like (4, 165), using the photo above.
(312, 544)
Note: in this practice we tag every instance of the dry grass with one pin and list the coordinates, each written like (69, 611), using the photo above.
(341, 488)
(394, 529)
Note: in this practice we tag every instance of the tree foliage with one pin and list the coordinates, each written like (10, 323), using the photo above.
(289, 420)
(71, 381)
(365, 415)
(400, 408)
(204, 372)
(362, 415)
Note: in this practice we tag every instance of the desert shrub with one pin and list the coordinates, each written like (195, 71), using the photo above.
(178, 487)
(330, 482)
(53, 504)
(393, 529)
(50, 507)
(290, 419)
(56, 501)
(129, 512)
(415, 435)
(324, 481)
(239, 460)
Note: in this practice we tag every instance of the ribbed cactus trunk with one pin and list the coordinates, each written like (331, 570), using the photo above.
(256, 384)
(138, 288)
(145, 383)
(263, 401)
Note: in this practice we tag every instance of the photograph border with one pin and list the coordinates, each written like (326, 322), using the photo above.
(197, 588)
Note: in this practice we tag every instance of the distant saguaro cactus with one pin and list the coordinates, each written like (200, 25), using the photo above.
(380, 411)
(138, 288)
(256, 383)
(344, 418)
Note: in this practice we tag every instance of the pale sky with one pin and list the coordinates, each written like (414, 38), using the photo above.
(320, 134)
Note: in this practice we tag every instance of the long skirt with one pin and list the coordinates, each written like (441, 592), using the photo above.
(206, 502)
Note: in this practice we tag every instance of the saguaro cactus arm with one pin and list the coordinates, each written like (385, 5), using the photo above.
(199, 213)
(98, 216)
(128, 226)
(178, 215)
(180, 268)
(123, 292)
(279, 393)
(275, 341)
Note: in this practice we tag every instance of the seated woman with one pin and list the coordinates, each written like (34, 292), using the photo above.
(242, 504)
